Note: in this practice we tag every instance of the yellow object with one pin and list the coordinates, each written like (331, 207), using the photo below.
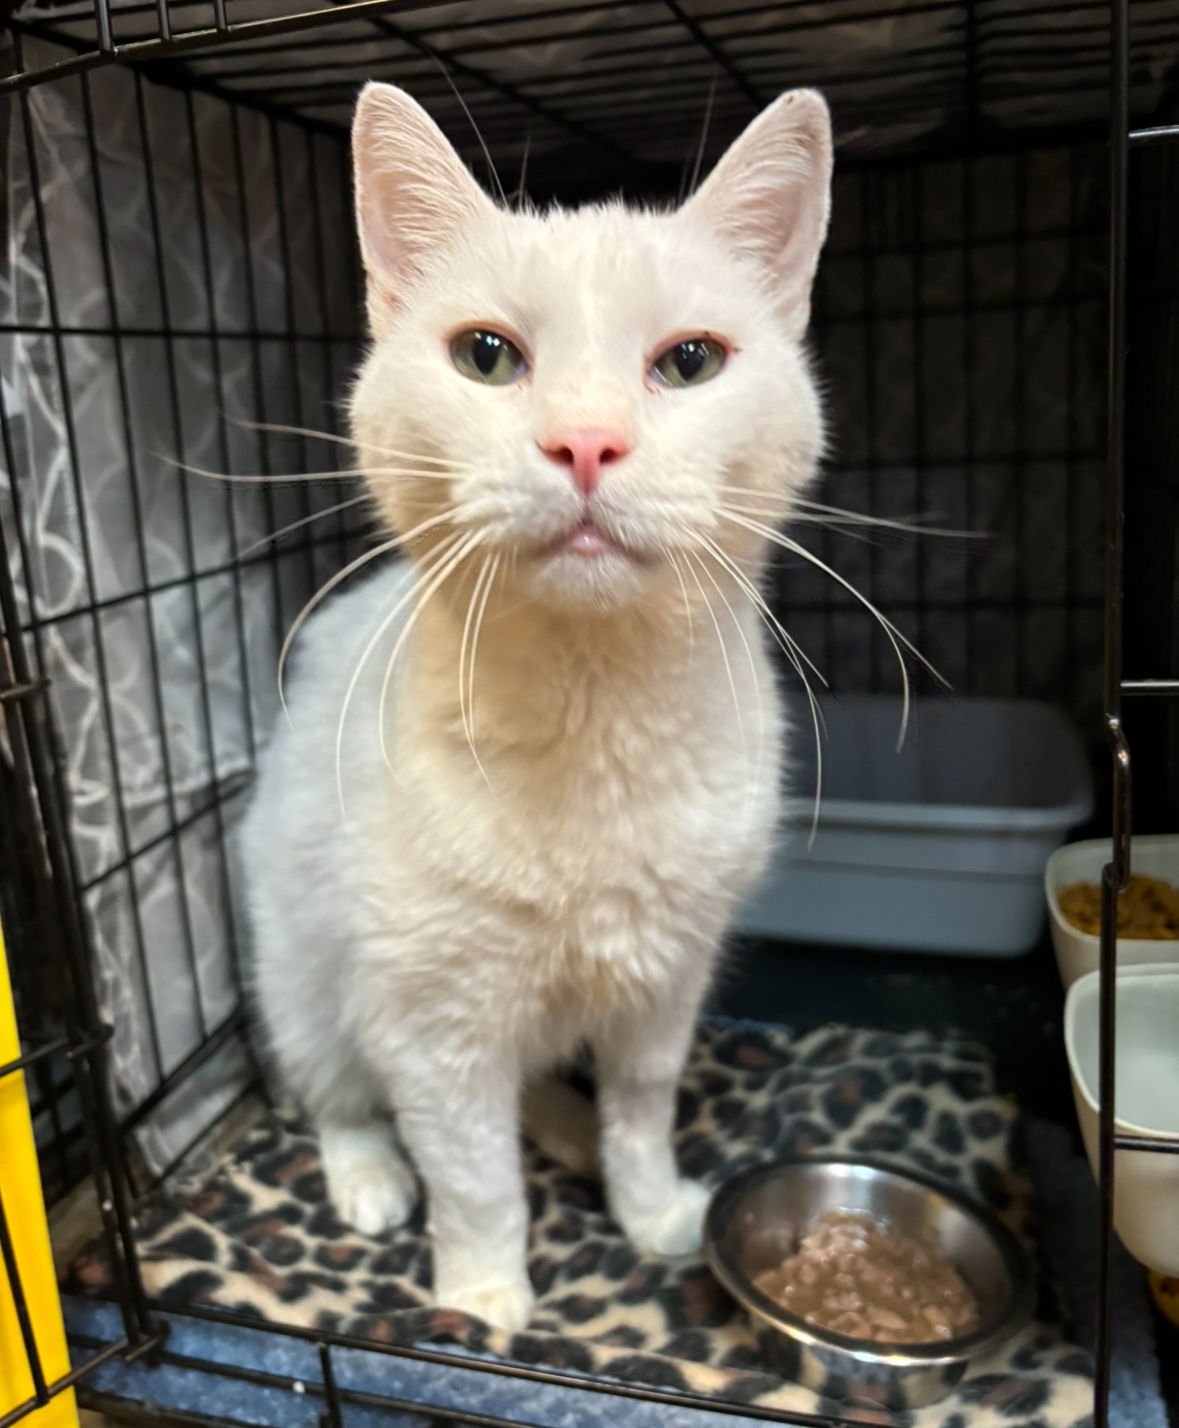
(1165, 1289)
(20, 1189)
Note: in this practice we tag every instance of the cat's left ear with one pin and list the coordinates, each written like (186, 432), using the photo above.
(770, 196)
(413, 193)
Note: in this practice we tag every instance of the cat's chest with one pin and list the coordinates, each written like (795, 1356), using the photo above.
(619, 807)
(600, 841)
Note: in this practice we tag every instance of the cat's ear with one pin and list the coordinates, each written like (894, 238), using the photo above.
(770, 196)
(413, 193)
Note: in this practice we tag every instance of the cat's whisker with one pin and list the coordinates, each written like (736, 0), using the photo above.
(253, 478)
(679, 574)
(287, 478)
(704, 128)
(519, 194)
(692, 561)
(464, 643)
(838, 527)
(297, 525)
(341, 575)
(282, 429)
(838, 515)
(912, 525)
(446, 74)
(895, 638)
(444, 548)
(438, 573)
(790, 647)
(761, 732)
(795, 654)
(495, 560)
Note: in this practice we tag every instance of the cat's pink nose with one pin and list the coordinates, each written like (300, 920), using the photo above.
(585, 453)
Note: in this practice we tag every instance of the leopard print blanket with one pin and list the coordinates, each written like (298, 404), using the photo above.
(258, 1236)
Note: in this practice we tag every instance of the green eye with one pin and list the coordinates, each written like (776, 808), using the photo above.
(487, 357)
(688, 363)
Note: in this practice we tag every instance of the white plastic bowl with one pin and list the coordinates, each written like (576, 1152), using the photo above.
(1076, 951)
(1146, 1102)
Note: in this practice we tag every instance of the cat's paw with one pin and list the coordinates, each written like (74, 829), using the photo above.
(368, 1181)
(677, 1228)
(504, 1306)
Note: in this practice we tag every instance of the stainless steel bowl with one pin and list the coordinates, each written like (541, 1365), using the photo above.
(756, 1219)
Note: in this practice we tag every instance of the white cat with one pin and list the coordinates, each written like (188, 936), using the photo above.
(528, 837)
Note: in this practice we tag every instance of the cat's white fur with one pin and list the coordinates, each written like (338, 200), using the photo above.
(440, 929)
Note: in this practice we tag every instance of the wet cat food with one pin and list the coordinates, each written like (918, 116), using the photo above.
(855, 1276)
(1147, 908)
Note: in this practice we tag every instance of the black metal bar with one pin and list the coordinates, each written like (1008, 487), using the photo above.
(102, 22)
(321, 288)
(189, 544)
(139, 533)
(68, 1380)
(920, 444)
(142, 51)
(425, 89)
(223, 453)
(1117, 871)
(292, 344)
(969, 338)
(194, 816)
(22, 691)
(1072, 553)
(249, 1089)
(1063, 19)
(48, 786)
(20, 1304)
(1155, 1144)
(79, 495)
(716, 51)
(223, 1032)
(45, 899)
(160, 71)
(331, 1417)
(509, 91)
(259, 387)
(498, 1368)
(227, 567)
(31, 1058)
(63, 1046)
(1020, 415)
(868, 193)
(126, 1414)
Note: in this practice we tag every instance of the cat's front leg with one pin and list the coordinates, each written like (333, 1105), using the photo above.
(638, 1062)
(458, 1113)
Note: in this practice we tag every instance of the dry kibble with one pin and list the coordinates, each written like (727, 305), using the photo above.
(860, 1278)
(1148, 908)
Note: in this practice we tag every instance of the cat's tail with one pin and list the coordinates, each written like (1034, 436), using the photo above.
(561, 1123)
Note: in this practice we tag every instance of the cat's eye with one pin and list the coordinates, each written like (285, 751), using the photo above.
(688, 363)
(488, 357)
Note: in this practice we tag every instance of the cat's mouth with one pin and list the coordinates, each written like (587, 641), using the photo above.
(590, 541)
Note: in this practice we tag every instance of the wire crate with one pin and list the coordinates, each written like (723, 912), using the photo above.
(973, 315)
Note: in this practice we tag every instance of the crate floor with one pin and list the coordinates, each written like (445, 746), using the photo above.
(256, 1234)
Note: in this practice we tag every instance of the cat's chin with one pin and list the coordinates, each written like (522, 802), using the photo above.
(573, 579)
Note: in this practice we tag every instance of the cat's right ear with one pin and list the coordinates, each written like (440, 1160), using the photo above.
(770, 197)
(413, 193)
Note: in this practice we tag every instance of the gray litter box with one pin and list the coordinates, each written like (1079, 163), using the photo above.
(940, 848)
